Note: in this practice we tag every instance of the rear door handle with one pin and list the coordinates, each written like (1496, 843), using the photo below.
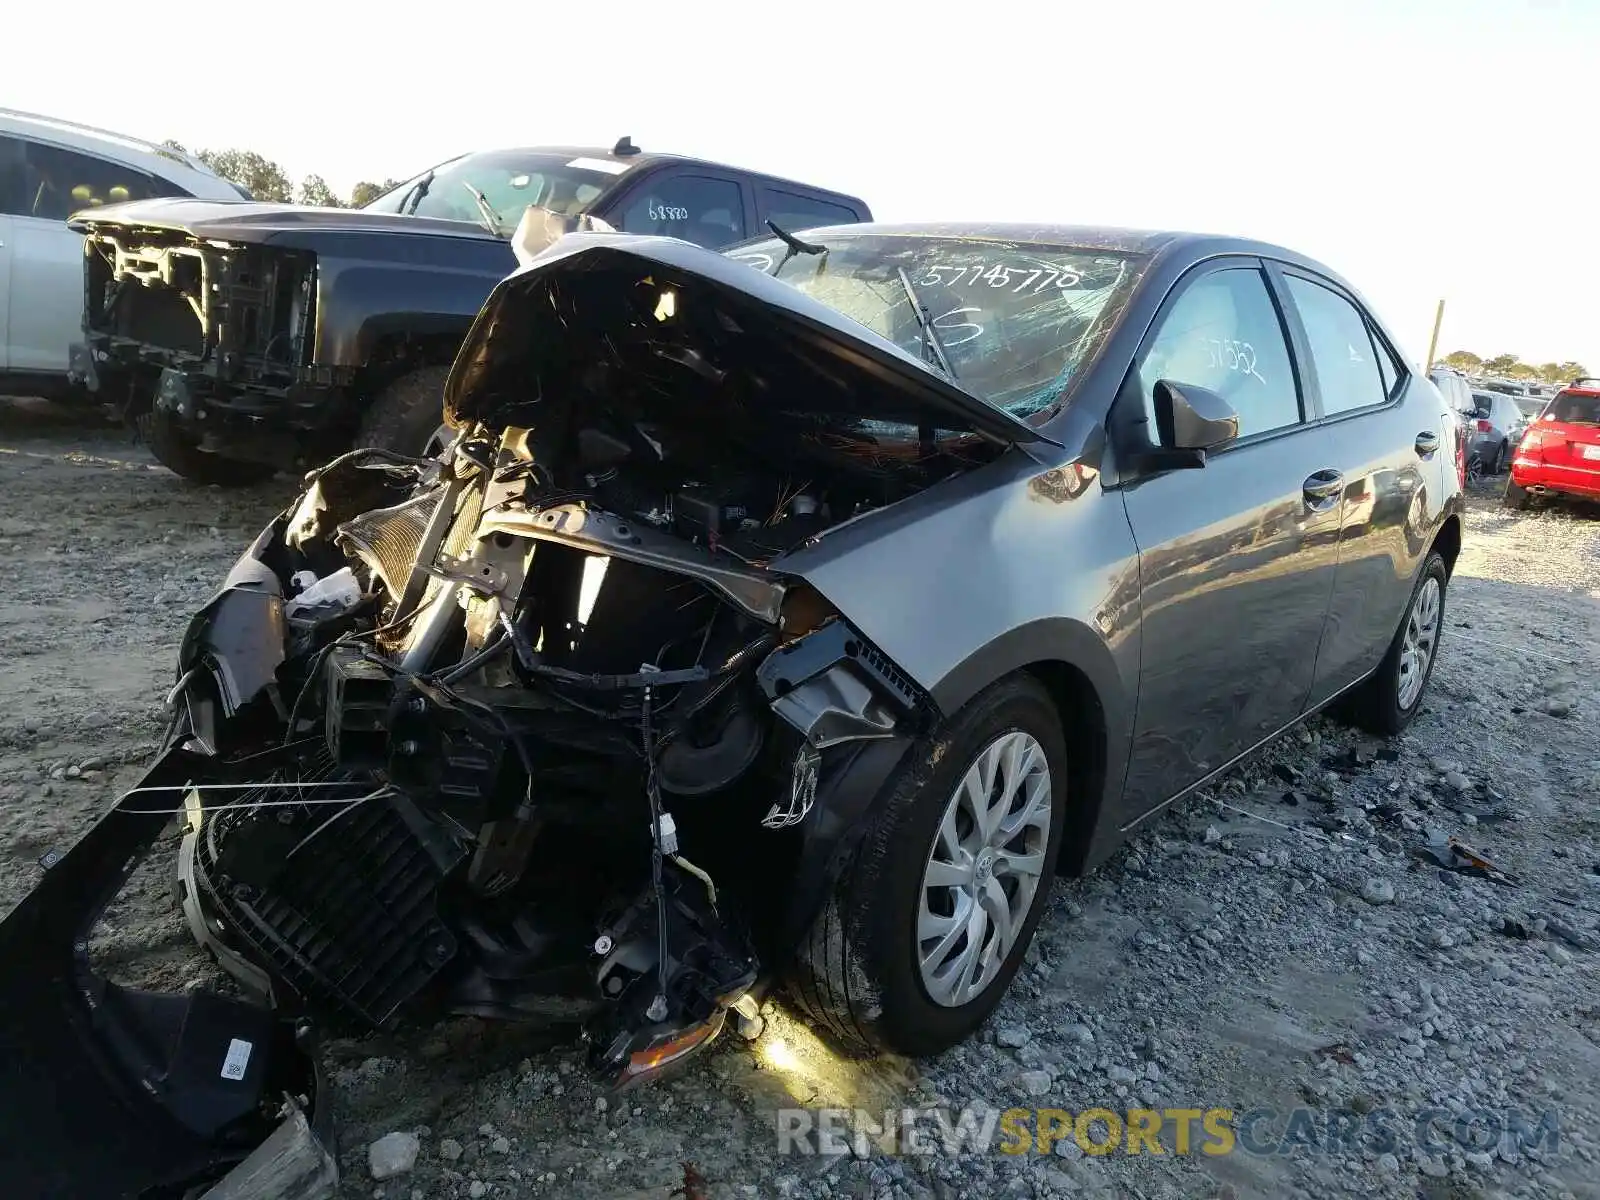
(1323, 488)
(1427, 443)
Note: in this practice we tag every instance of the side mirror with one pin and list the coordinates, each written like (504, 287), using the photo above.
(1193, 418)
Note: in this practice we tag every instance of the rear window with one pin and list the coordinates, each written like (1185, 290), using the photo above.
(1575, 408)
(791, 212)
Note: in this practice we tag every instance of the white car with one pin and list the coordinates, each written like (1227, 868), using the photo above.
(50, 169)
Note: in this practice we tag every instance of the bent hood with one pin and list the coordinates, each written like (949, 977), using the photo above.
(601, 311)
(255, 221)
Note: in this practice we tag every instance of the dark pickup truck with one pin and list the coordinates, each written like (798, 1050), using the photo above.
(246, 338)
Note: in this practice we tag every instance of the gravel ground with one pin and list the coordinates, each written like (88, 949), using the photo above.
(1277, 944)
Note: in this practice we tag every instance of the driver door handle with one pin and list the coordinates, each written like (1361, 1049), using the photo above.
(1323, 488)
(1427, 443)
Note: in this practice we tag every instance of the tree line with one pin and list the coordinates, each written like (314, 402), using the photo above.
(1509, 366)
(266, 180)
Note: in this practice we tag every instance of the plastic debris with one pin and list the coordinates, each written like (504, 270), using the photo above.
(1453, 854)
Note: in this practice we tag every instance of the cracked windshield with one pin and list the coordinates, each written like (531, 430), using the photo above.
(1010, 323)
(504, 183)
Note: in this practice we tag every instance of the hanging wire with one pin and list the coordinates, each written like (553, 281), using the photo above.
(281, 785)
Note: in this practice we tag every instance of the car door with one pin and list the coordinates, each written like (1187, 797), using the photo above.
(1383, 442)
(12, 173)
(47, 258)
(1236, 558)
(696, 205)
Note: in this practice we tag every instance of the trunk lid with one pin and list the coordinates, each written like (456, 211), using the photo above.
(598, 307)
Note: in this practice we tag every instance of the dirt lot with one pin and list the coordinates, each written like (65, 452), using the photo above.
(1275, 945)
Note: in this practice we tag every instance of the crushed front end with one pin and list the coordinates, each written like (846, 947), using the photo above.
(542, 748)
(217, 334)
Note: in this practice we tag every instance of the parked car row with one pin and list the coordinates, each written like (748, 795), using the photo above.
(245, 337)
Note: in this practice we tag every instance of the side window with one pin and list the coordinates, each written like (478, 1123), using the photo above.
(1224, 334)
(696, 208)
(1341, 348)
(792, 212)
(13, 176)
(1388, 365)
(60, 182)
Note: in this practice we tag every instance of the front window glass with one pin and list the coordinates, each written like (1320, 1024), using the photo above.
(1223, 334)
(1017, 322)
(696, 208)
(509, 180)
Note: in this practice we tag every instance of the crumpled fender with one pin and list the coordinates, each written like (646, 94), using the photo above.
(238, 636)
(112, 1092)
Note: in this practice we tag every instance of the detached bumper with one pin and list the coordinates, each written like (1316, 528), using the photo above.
(112, 1092)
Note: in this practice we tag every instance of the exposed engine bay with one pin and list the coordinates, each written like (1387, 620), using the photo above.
(549, 728)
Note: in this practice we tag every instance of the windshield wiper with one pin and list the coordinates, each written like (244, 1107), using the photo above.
(796, 246)
(931, 345)
(491, 219)
(419, 189)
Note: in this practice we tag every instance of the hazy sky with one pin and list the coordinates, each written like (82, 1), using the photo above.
(1422, 148)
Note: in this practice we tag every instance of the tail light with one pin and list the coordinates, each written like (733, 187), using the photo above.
(1485, 427)
(1532, 440)
(1461, 459)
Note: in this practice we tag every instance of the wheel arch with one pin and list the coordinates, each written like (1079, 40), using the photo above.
(1078, 671)
(1448, 543)
(399, 352)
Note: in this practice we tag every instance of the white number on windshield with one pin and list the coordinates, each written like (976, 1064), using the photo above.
(1016, 278)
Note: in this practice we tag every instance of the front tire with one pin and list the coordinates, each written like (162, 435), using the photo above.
(1502, 458)
(1392, 697)
(176, 450)
(930, 918)
(407, 416)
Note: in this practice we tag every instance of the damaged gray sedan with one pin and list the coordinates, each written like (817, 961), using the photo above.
(780, 620)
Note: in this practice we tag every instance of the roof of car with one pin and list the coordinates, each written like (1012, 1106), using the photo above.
(608, 154)
(1092, 237)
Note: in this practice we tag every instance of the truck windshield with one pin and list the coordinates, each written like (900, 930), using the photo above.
(510, 180)
(1016, 322)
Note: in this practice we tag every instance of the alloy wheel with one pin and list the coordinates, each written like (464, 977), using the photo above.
(1419, 642)
(984, 869)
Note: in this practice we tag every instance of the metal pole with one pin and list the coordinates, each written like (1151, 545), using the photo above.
(1433, 342)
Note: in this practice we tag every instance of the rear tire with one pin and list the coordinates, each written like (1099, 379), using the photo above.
(864, 970)
(406, 416)
(1388, 701)
(176, 450)
(1516, 497)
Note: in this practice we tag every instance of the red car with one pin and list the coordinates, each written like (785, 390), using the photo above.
(1559, 454)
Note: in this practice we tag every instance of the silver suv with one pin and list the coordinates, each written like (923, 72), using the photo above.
(50, 169)
(1497, 423)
